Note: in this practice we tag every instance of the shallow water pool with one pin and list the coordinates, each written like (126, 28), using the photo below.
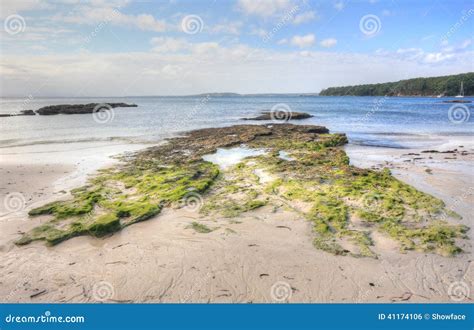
(229, 157)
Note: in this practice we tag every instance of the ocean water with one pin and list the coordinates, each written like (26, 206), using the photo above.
(232, 156)
(376, 121)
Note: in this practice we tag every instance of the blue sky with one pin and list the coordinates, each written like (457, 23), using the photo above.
(120, 47)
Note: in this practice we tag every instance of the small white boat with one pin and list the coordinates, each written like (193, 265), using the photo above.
(461, 90)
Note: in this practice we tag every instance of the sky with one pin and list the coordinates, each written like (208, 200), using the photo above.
(122, 48)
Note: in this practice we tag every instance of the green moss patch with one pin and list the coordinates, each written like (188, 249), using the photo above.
(321, 175)
(318, 175)
(101, 208)
(200, 228)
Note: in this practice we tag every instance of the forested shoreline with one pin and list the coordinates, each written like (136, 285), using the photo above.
(433, 86)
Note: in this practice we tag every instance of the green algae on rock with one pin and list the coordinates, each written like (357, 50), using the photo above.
(200, 228)
(120, 197)
(345, 204)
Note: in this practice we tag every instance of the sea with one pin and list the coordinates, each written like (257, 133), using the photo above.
(393, 122)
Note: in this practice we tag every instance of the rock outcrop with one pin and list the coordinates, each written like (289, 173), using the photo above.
(70, 109)
(280, 116)
(316, 181)
(457, 101)
(73, 109)
(21, 113)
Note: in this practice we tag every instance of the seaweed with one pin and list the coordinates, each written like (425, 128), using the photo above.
(318, 174)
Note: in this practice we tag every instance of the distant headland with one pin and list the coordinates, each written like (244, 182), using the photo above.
(453, 85)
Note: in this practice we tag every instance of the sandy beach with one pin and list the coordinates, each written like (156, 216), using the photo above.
(242, 164)
(259, 256)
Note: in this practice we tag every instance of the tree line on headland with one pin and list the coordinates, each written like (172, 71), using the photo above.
(433, 86)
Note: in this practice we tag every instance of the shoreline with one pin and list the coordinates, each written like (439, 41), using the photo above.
(113, 258)
(55, 172)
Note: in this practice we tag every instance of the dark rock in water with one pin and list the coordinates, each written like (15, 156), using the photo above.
(72, 109)
(27, 113)
(440, 152)
(22, 113)
(280, 116)
(457, 101)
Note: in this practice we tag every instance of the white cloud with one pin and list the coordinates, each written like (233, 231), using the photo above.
(172, 70)
(303, 41)
(328, 43)
(39, 48)
(9, 7)
(144, 22)
(251, 70)
(428, 37)
(408, 50)
(39, 38)
(466, 43)
(259, 32)
(304, 17)
(412, 54)
(421, 56)
(162, 44)
(436, 57)
(105, 15)
(339, 5)
(181, 65)
(263, 8)
(227, 28)
(205, 47)
(180, 46)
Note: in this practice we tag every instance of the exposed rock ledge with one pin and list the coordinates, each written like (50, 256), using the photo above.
(280, 116)
(345, 205)
(21, 113)
(457, 101)
(70, 109)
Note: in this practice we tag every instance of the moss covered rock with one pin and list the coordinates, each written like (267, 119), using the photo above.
(317, 174)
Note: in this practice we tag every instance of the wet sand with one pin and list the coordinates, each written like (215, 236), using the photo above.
(33, 175)
(260, 256)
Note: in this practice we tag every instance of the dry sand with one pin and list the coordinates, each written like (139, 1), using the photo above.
(260, 256)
